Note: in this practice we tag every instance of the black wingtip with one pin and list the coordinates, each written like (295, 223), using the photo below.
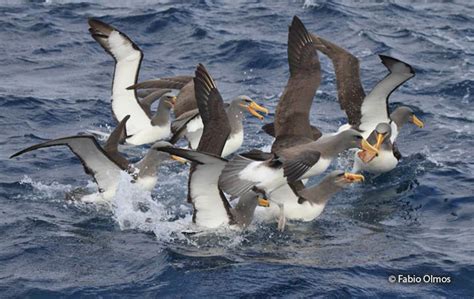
(298, 39)
(296, 21)
(390, 63)
(15, 155)
(94, 23)
(269, 129)
(21, 152)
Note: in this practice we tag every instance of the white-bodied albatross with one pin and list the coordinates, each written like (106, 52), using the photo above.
(211, 208)
(142, 128)
(106, 164)
(295, 155)
(365, 113)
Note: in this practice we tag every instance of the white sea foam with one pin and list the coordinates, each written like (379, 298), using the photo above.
(49, 191)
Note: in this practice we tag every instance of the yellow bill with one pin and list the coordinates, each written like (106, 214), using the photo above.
(366, 146)
(254, 107)
(262, 202)
(417, 122)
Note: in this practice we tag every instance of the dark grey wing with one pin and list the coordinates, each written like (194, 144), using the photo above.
(257, 155)
(177, 82)
(287, 141)
(95, 160)
(349, 86)
(179, 125)
(143, 93)
(147, 101)
(396, 152)
(269, 129)
(292, 113)
(185, 99)
(211, 108)
(374, 109)
(295, 168)
(118, 136)
(210, 206)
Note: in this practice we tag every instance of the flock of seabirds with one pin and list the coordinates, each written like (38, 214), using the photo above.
(214, 130)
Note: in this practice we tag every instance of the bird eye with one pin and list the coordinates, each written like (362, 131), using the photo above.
(247, 101)
(358, 137)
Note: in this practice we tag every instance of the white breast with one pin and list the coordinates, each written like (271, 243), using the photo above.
(149, 135)
(384, 162)
(233, 143)
(293, 210)
(264, 177)
(195, 124)
(318, 168)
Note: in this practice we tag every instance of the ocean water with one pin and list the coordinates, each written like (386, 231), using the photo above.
(55, 81)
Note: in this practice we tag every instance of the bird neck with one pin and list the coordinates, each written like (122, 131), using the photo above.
(162, 115)
(321, 193)
(235, 116)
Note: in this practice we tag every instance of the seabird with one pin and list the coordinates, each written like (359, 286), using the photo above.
(211, 208)
(268, 171)
(106, 167)
(365, 113)
(386, 159)
(142, 128)
(295, 155)
(185, 99)
(189, 124)
(312, 200)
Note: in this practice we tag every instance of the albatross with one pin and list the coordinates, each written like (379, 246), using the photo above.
(211, 209)
(365, 113)
(190, 125)
(188, 121)
(295, 154)
(142, 128)
(105, 165)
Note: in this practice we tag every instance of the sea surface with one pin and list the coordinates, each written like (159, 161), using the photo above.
(55, 81)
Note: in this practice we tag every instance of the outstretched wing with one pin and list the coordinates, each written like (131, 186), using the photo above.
(127, 58)
(95, 160)
(211, 208)
(292, 113)
(374, 109)
(298, 165)
(211, 108)
(185, 99)
(118, 135)
(349, 87)
(177, 82)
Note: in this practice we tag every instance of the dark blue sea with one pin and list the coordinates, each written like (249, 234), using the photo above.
(55, 81)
